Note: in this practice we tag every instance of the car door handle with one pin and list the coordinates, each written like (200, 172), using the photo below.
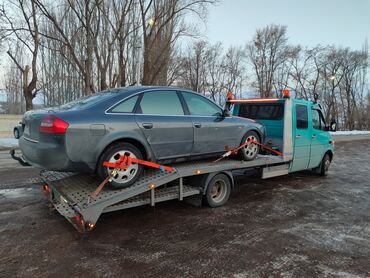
(298, 136)
(147, 125)
(314, 136)
(197, 125)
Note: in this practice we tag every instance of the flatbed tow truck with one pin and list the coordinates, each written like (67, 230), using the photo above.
(75, 195)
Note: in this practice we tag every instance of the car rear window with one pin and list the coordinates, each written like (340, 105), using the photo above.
(87, 101)
(271, 111)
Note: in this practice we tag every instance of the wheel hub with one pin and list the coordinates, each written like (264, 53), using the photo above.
(123, 175)
(218, 191)
(251, 149)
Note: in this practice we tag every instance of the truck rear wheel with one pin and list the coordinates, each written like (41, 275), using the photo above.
(218, 191)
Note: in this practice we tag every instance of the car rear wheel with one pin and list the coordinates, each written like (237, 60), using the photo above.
(125, 177)
(250, 151)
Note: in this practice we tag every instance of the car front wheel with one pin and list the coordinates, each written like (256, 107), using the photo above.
(124, 177)
(251, 150)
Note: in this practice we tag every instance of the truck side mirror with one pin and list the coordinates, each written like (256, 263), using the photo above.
(333, 125)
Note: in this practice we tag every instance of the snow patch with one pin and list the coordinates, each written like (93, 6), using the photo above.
(15, 193)
(8, 142)
(351, 132)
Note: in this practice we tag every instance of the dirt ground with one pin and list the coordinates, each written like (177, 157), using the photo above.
(294, 226)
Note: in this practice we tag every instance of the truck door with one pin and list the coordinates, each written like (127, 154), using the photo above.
(319, 138)
(301, 137)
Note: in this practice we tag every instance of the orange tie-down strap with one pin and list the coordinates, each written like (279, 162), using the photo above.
(235, 150)
(122, 163)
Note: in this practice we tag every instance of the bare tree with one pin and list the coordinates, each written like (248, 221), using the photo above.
(233, 67)
(215, 68)
(162, 24)
(86, 13)
(266, 52)
(26, 31)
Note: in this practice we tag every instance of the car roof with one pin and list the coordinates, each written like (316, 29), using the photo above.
(134, 89)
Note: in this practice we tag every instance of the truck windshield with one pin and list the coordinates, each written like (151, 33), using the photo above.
(262, 111)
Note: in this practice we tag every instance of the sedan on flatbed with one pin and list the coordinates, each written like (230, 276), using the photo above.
(160, 124)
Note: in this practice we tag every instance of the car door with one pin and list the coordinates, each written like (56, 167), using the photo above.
(212, 131)
(161, 118)
(319, 138)
(301, 137)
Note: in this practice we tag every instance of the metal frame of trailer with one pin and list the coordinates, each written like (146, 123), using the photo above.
(70, 193)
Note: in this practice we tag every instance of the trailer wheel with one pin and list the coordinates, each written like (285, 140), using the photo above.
(323, 168)
(218, 191)
(126, 177)
(250, 151)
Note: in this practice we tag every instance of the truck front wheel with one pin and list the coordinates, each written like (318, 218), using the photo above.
(218, 191)
(323, 168)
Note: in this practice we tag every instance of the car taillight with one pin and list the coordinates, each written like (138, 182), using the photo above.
(52, 124)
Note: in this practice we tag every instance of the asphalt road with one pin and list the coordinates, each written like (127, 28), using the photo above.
(299, 225)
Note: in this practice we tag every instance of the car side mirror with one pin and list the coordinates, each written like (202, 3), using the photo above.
(226, 113)
(333, 125)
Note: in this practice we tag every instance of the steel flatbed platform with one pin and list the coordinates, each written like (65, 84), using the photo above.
(70, 193)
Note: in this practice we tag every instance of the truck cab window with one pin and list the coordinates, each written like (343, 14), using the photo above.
(301, 116)
(318, 120)
(262, 111)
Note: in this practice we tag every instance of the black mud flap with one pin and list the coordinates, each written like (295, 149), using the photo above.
(18, 158)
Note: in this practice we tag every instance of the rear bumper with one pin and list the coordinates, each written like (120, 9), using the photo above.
(47, 155)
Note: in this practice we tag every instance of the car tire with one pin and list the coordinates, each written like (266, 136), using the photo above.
(323, 168)
(124, 178)
(16, 133)
(218, 191)
(250, 151)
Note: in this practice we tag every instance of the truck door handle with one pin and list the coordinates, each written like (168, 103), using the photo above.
(298, 136)
(197, 125)
(147, 125)
(314, 136)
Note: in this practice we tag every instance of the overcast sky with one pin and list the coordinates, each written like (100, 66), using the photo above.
(310, 22)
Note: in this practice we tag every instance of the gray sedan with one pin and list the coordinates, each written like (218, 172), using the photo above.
(161, 124)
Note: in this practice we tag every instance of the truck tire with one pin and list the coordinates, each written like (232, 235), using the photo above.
(126, 177)
(218, 191)
(323, 168)
(250, 151)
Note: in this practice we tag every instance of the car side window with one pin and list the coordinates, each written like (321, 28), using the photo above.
(126, 106)
(160, 103)
(200, 106)
(301, 116)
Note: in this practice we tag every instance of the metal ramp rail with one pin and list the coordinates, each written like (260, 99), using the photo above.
(70, 193)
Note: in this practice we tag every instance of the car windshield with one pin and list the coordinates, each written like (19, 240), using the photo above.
(87, 101)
